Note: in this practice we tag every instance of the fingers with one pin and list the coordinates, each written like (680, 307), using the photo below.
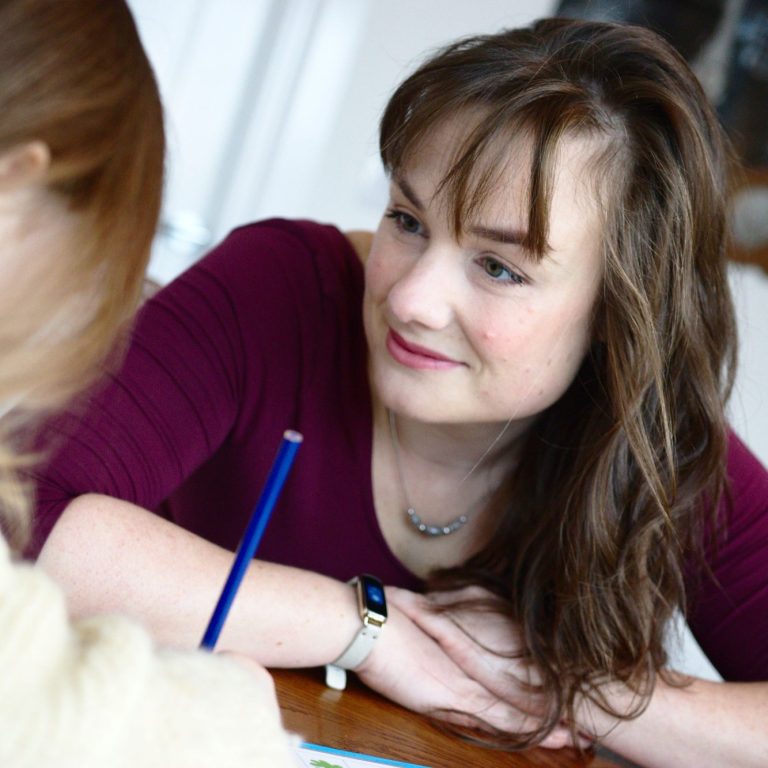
(562, 737)
(460, 679)
(473, 594)
(520, 724)
(406, 600)
(259, 673)
(409, 667)
(484, 645)
(412, 666)
(493, 631)
(506, 719)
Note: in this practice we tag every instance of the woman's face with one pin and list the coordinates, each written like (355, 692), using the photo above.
(476, 331)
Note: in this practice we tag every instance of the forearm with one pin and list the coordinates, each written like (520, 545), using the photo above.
(703, 724)
(111, 556)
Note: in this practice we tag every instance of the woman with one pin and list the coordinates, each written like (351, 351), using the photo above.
(530, 415)
(81, 165)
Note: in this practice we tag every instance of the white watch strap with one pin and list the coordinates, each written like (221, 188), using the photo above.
(354, 655)
(357, 651)
(335, 677)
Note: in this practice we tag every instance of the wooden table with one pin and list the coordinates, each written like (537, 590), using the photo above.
(360, 720)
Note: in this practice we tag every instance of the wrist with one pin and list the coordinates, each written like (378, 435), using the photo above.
(623, 704)
(372, 611)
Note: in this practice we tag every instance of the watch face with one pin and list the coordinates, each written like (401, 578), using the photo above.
(374, 595)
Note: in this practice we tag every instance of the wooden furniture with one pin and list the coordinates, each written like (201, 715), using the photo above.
(360, 720)
(756, 178)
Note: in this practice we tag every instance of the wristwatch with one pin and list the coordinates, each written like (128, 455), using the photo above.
(372, 605)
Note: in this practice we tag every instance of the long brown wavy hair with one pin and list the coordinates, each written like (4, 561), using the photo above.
(73, 76)
(617, 481)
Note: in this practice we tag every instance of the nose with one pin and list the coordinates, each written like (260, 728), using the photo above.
(427, 293)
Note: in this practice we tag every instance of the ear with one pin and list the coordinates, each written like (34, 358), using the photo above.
(24, 164)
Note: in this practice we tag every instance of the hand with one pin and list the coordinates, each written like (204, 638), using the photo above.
(486, 647)
(411, 668)
(263, 679)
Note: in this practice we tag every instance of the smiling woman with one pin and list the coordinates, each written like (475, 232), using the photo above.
(511, 397)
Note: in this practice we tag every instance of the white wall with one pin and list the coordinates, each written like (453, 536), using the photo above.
(349, 187)
(749, 404)
(273, 105)
(273, 108)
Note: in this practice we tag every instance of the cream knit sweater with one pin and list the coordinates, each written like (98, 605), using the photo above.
(97, 693)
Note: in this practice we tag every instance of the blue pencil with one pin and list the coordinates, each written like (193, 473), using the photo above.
(253, 533)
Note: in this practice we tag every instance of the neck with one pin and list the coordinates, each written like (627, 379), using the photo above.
(447, 474)
(462, 450)
(435, 478)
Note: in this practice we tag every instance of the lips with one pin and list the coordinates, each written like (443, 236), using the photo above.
(415, 356)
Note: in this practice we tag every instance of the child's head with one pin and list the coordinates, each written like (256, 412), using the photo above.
(82, 147)
(81, 168)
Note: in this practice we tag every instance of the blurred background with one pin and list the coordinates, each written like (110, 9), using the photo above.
(273, 106)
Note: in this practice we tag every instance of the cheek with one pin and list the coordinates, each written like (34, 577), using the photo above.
(537, 344)
(379, 275)
(379, 280)
(498, 346)
(503, 336)
(563, 349)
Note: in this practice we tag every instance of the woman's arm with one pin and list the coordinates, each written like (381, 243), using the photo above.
(112, 556)
(703, 724)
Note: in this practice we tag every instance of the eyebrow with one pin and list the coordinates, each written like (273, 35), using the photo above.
(504, 236)
(511, 236)
(407, 190)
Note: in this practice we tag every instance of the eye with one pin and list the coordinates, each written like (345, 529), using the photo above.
(500, 273)
(405, 222)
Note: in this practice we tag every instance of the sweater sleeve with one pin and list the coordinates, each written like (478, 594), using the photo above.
(97, 692)
(729, 610)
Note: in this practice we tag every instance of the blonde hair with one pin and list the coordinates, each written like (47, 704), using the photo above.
(74, 76)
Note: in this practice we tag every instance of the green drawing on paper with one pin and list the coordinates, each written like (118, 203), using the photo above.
(323, 764)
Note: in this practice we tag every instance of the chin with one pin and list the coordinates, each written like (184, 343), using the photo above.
(397, 395)
(415, 403)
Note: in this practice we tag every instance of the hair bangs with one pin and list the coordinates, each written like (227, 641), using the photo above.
(523, 127)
